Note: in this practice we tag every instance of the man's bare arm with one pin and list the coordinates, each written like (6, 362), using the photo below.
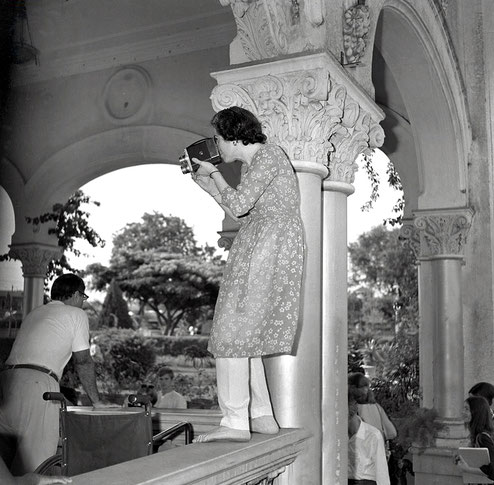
(85, 369)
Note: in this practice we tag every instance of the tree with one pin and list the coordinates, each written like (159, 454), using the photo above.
(383, 271)
(115, 312)
(158, 262)
(72, 225)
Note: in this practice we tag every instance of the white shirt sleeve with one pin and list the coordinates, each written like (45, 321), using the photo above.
(382, 474)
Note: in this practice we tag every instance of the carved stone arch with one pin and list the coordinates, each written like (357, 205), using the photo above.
(76, 164)
(417, 55)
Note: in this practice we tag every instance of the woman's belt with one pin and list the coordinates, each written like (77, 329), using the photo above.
(34, 367)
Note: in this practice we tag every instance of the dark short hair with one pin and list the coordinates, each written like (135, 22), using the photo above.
(165, 371)
(237, 123)
(483, 389)
(66, 285)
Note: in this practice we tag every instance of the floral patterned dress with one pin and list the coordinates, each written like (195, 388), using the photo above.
(258, 304)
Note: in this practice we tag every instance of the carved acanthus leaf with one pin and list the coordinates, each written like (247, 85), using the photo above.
(356, 133)
(34, 258)
(293, 108)
(443, 233)
(410, 237)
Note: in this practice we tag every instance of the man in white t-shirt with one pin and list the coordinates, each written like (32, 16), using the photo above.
(49, 336)
(167, 396)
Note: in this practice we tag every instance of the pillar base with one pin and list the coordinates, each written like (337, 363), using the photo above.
(434, 466)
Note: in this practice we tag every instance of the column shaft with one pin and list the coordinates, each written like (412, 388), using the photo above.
(448, 337)
(334, 333)
(295, 380)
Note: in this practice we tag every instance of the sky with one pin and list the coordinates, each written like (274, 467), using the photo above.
(126, 194)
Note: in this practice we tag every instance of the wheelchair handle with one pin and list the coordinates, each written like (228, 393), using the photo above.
(53, 396)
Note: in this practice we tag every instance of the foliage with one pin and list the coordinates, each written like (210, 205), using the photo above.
(383, 280)
(419, 428)
(127, 357)
(71, 225)
(197, 355)
(393, 181)
(174, 346)
(115, 312)
(200, 389)
(158, 262)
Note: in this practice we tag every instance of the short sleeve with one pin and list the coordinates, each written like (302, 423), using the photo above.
(81, 331)
(264, 168)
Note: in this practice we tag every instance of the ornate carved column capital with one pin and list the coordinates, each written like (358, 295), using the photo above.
(34, 257)
(309, 106)
(443, 233)
(410, 236)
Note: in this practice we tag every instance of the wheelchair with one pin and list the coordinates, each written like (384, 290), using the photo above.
(94, 439)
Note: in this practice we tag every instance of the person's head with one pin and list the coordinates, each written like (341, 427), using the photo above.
(69, 288)
(165, 378)
(483, 389)
(477, 416)
(236, 128)
(360, 387)
(148, 390)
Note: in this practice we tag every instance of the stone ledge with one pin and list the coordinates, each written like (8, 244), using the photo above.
(207, 464)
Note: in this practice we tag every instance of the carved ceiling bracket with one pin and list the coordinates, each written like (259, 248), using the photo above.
(271, 28)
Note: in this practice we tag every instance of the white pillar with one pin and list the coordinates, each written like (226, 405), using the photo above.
(295, 380)
(334, 333)
(34, 258)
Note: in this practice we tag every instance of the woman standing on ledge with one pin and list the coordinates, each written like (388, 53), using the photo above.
(257, 309)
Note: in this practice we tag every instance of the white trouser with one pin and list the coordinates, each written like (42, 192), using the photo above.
(236, 391)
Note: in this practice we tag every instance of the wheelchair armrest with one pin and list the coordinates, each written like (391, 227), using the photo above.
(161, 437)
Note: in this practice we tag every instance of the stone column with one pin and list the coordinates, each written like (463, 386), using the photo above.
(34, 258)
(310, 107)
(443, 236)
(358, 132)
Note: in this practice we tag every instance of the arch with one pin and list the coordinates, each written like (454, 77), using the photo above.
(75, 165)
(425, 89)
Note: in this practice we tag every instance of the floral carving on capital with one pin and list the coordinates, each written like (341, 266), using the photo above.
(443, 233)
(34, 258)
(293, 108)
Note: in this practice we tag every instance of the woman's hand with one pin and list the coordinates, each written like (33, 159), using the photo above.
(205, 168)
(201, 177)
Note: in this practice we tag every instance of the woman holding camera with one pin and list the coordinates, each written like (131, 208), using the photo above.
(257, 309)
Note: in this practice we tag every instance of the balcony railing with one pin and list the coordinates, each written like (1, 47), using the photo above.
(257, 462)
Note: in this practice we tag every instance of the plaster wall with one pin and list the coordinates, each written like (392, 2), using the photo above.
(478, 64)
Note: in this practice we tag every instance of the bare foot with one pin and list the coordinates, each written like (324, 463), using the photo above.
(264, 425)
(222, 433)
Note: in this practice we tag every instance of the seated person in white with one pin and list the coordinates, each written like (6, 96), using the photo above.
(366, 453)
(167, 396)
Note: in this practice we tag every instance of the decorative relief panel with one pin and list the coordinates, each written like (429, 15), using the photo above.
(356, 25)
(443, 233)
(126, 92)
(266, 28)
(34, 258)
